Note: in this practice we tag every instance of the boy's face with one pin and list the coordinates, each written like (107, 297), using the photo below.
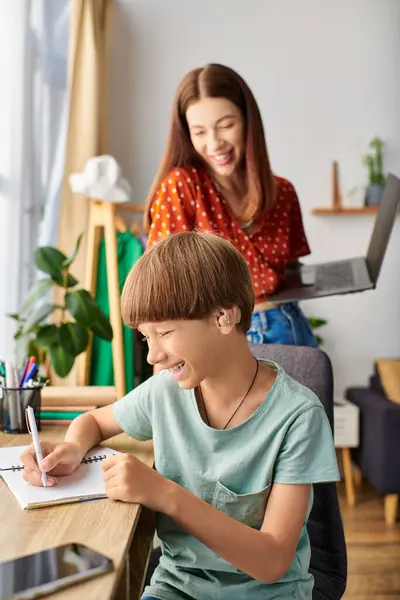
(189, 349)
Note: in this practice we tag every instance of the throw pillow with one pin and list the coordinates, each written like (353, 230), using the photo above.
(389, 373)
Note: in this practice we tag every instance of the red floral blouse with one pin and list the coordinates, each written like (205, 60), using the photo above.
(189, 199)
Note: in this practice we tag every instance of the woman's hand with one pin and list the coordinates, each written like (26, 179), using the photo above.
(59, 459)
(129, 480)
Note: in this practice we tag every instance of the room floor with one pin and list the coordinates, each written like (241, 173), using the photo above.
(373, 548)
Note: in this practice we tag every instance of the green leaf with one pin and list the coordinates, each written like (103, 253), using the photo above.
(68, 283)
(81, 307)
(319, 339)
(19, 333)
(316, 323)
(101, 326)
(74, 338)
(50, 260)
(61, 361)
(38, 315)
(86, 312)
(47, 336)
(33, 350)
(38, 290)
(14, 316)
(71, 259)
(377, 144)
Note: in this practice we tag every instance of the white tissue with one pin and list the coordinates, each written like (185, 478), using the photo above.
(101, 179)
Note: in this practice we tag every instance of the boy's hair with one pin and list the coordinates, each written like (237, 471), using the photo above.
(188, 276)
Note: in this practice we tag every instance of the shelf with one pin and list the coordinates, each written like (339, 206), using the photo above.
(364, 210)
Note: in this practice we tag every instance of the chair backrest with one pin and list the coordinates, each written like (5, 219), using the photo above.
(312, 368)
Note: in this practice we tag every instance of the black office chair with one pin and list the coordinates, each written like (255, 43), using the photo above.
(311, 367)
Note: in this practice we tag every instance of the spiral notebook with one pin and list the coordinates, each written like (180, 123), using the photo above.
(85, 483)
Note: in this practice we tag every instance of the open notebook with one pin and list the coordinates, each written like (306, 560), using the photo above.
(85, 483)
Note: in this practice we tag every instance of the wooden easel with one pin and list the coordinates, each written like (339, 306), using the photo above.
(103, 216)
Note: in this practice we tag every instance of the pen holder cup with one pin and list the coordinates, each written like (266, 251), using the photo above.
(13, 403)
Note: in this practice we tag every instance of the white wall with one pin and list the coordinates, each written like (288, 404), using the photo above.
(327, 78)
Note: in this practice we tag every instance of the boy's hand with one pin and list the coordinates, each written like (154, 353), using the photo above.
(127, 479)
(59, 459)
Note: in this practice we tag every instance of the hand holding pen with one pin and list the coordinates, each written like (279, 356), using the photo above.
(31, 424)
(61, 458)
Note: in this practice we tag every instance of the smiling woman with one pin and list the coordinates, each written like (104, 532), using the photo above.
(216, 176)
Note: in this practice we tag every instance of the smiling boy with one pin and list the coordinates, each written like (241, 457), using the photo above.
(237, 442)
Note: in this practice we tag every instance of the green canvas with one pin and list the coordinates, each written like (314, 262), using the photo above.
(129, 251)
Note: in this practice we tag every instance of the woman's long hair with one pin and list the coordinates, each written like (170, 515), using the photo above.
(218, 81)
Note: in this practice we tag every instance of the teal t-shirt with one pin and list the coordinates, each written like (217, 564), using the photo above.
(286, 440)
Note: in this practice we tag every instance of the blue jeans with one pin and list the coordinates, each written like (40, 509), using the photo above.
(285, 324)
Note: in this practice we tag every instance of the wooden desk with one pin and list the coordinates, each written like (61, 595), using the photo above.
(123, 532)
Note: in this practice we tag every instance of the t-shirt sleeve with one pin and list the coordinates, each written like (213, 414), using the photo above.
(173, 206)
(298, 241)
(133, 414)
(307, 454)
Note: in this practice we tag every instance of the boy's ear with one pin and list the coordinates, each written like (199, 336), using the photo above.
(228, 318)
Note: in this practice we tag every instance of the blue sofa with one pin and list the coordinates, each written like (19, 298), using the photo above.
(378, 455)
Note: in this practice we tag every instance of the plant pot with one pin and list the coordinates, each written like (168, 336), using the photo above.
(373, 194)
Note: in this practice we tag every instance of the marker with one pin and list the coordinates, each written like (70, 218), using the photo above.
(30, 373)
(25, 370)
(31, 424)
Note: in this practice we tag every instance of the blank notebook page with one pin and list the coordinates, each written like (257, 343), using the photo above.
(85, 483)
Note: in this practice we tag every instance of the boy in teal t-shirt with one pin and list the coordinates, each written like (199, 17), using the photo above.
(238, 443)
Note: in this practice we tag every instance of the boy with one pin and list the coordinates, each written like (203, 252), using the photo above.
(238, 443)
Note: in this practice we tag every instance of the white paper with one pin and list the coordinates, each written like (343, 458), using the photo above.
(86, 482)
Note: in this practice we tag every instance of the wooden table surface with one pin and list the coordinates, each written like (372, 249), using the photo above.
(121, 531)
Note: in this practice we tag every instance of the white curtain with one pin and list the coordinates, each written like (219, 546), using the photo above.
(33, 123)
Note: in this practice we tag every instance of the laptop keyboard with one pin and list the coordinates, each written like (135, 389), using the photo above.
(333, 276)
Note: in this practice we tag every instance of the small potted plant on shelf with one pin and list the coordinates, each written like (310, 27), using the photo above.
(376, 178)
(58, 344)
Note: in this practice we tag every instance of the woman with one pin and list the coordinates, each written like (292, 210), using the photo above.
(216, 175)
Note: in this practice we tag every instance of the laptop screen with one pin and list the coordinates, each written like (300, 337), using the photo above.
(384, 222)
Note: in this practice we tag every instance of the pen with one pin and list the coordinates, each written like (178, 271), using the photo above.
(25, 371)
(30, 373)
(31, 423)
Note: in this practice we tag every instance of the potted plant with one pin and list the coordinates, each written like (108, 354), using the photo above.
(58, 343)
(376, 178)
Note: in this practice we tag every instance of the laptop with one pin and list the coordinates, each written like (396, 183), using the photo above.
(347, 276)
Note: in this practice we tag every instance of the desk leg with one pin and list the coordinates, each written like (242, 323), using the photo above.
(132, 580)
(122, 592)
(348, 477)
